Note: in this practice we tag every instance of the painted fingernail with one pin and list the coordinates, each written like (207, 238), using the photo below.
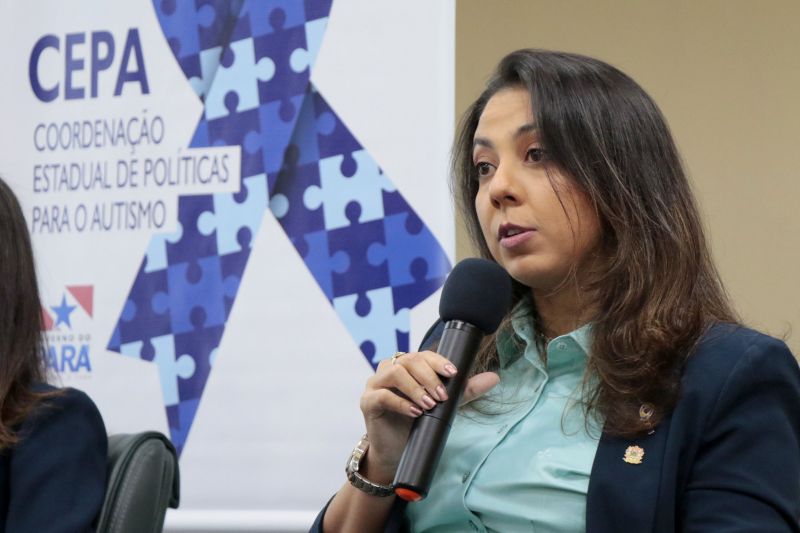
(428, 401)
(441, 393)
(450, 369)
(415, 411)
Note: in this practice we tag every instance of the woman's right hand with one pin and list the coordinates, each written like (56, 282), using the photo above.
(399, 392)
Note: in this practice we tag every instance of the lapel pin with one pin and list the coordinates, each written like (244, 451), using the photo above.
(634, 455)
(646, 411)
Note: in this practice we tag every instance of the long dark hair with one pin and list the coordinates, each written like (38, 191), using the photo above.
(654, 283)
(22, 363)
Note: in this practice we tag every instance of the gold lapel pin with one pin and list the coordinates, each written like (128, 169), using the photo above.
(646, 411)
(634, 455)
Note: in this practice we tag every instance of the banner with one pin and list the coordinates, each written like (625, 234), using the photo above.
(238, 209)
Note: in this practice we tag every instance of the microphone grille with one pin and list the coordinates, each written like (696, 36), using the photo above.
(478, 292)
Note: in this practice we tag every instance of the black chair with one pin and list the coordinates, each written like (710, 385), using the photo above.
(143, 481)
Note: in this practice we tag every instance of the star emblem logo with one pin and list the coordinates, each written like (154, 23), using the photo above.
(62, 312)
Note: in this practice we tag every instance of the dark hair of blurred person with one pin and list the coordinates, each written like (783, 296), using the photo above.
(53, 443)
(22, 353)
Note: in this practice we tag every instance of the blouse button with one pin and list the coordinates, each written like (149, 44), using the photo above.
(465, 477)
(561, 346)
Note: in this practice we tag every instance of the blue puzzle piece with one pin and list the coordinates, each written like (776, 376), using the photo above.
(304, 136)
(156, 256)
(232, 267)
(280, 47)
(200, 137)
(394, 203)
(291, 184)
(138, 316)
(115, 340)
(197, 344)
(319, 260)
(170, 367)
(334, 138)
(315, 31)
(308, 129)
(227, 16)
(252, 154)
(202, 75)
(316, 9)
(408, 239)
(421, 288)
(240, 129)
(373, 322)
(268, 16)
(196, 295)
(355, 240)
(179, 418)
(238, 73)
(190, 65)
(363, 185)
(193, 244)
(302, 58)
(277, 122)
(236, 212)
(180, 20)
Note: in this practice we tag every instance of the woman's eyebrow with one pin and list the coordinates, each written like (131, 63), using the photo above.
(480, 141)
(525, 129)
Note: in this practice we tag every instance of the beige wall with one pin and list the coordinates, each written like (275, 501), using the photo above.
(726, 73)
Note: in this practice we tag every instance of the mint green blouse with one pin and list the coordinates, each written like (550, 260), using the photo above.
(526, 465)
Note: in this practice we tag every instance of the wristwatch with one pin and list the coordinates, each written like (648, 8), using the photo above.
(359, 481)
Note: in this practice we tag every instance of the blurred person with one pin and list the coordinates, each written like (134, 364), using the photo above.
(53, 442)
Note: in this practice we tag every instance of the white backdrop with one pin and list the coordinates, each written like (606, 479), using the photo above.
(279, 413)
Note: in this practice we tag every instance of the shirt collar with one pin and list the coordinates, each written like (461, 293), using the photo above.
(519, 339)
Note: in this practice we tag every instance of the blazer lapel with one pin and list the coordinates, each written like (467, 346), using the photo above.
(623, 492)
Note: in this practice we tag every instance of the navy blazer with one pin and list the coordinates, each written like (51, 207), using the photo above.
(726, 460)
(54, 479)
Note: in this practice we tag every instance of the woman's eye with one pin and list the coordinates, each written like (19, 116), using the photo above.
(536, 155)
(484, 169)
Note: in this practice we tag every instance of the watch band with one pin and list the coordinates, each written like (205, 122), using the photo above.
(359, 481)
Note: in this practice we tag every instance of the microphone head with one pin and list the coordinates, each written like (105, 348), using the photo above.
(478, 292)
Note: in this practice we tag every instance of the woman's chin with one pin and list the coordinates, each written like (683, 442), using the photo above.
(538, 279)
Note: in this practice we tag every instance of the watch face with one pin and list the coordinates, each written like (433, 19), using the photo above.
(354, 461)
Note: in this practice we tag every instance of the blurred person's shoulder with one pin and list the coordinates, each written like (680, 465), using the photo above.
(67, 406)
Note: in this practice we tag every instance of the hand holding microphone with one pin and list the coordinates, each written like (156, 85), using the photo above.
(475, 298)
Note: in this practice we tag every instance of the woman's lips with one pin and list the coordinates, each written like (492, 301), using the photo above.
(511, 235)
(512, 241)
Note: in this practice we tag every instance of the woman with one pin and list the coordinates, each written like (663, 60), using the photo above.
(53, 442)
(620, 394)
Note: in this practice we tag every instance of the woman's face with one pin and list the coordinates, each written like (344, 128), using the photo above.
(533, 233)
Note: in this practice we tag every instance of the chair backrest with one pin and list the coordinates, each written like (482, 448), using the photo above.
(143, 481)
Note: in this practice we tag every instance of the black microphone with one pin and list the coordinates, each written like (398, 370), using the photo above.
(475, 298)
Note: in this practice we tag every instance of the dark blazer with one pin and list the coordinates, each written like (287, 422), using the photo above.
(726, 460)
(54, 479)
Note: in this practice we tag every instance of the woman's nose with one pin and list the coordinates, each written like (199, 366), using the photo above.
(503, 187)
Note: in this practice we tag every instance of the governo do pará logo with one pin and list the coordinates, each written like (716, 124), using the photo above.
(67, 321)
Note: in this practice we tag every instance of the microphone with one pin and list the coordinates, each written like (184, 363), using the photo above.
(475, 298)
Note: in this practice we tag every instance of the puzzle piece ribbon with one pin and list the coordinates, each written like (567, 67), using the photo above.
(370, 253)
